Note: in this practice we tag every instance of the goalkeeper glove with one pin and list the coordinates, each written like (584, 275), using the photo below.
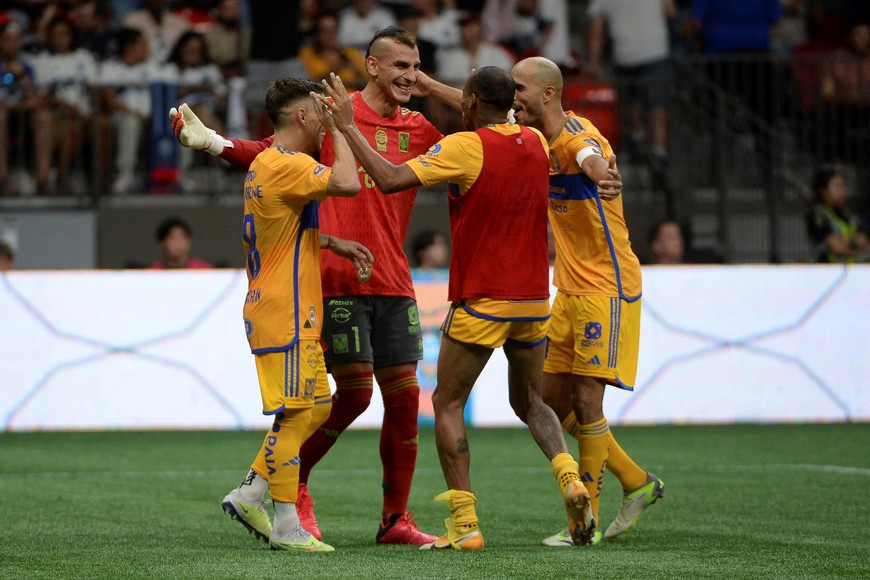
(190, 132)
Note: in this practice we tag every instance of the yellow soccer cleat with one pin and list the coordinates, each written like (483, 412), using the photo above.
(581, 522)
(457, 539)
(252, 516)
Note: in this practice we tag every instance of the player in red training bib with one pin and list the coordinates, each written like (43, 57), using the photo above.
(499, 283)
(370, 327)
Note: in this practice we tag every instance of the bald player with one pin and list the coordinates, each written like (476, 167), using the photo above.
(595, 329)
(498, 222)
(371, 325)
(595, 325)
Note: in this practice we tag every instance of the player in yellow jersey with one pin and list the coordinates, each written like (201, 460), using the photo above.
(595, 329)
(283, 310)
(498, 283)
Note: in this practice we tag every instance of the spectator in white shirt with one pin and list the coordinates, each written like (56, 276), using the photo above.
(126, 93)
(64, 76)
(455, 64)
(161, 27)
(359, 22)
(438, 24)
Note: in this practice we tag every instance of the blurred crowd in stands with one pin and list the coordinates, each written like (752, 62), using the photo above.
(76, 76)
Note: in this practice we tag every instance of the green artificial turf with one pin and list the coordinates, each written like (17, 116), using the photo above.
(742, 502)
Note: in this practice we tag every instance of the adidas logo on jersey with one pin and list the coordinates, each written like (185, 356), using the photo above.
(594, 361)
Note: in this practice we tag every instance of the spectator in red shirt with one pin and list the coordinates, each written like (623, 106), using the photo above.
(173, 234)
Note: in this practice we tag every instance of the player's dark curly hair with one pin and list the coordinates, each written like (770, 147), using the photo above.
(397, 33)
(284, 92)
(494, 87)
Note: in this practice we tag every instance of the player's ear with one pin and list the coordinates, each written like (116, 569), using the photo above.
(301, 116)
(372, 66)
(549, 93)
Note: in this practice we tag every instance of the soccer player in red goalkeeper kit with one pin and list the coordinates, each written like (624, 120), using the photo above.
(371, 326)
(499, 287)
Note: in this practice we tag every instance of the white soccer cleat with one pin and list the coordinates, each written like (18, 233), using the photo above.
(563, 540)
(634, 504)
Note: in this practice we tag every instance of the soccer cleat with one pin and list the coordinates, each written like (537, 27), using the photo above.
(581, 522)
(563, 540)
(305, 511)
(468, 541)
(252, 516)
(634, 504)
(308, 543)
(403, 530)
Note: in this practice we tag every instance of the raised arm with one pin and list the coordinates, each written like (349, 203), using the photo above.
(190, 132)
(428, 87)
(388, 177)
(344, 181)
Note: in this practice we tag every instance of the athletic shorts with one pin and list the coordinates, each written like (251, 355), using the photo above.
(293, 378)
(594, 336)
(491, 323)
(648, 83)
(382, 330)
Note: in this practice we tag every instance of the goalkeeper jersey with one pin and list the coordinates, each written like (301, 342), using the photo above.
(282, 247)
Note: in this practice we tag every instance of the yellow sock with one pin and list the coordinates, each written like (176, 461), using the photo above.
(319, 414)
(463, 514)
(594, 440)
(630, 476)
(621, 465)
(571, 425)
(565, 470)
(278, 460)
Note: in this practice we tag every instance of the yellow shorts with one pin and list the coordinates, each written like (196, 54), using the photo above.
(293, 378)
(491, 323)
(594, 336)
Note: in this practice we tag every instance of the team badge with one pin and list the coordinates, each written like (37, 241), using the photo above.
(310, 384)
(312, 314)
(404, 141)
(339, 343)
(592, 330)
(381, 139)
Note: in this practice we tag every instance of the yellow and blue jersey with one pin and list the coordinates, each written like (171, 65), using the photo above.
(593, 252)
(282, 246)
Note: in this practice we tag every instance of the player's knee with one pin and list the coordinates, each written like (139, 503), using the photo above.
(352, 402)
(520, 405)
(406, 398)
(444, 400)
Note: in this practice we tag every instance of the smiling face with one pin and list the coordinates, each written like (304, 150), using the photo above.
(528, 100)
(393, 67)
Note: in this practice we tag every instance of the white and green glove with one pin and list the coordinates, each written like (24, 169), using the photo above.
(190, 132)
